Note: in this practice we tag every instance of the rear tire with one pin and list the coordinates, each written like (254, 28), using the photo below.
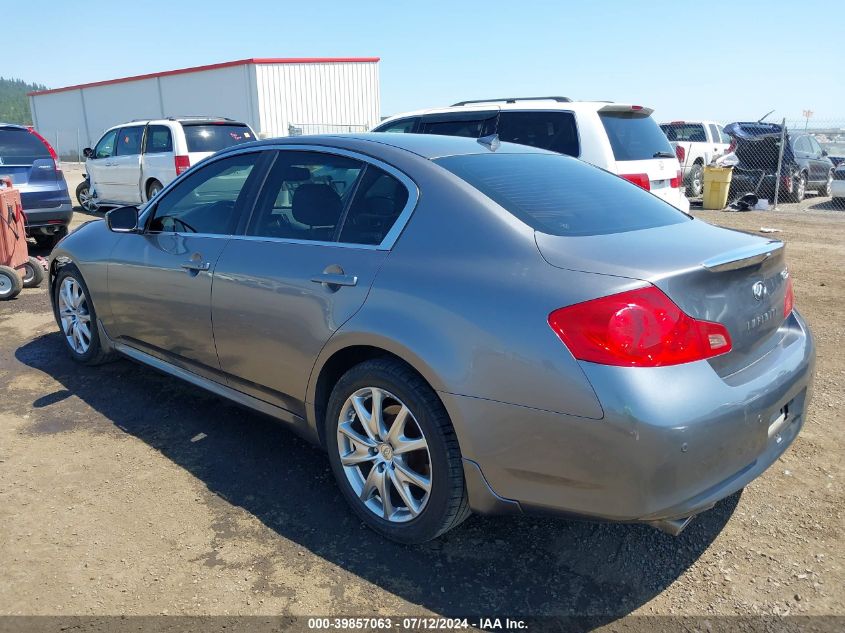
(826, 189)
(696, 181)
(367, 465)
(799, 188)
(33, 273)
(77, 319)
(10, 283)
(153, 188)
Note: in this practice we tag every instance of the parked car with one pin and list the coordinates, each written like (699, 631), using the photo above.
(804, 164)
(33, 164)
(621, 138)
(696, 143)
(461, 326)
(132, 162)
(837, 189)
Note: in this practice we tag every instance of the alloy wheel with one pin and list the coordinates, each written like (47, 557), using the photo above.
(384, 454)
(74, 315)
(86, 200)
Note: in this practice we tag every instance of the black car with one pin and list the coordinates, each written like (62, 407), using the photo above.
(804, 164)
(34, 167)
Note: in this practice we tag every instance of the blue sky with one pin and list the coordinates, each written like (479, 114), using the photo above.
(718, 60)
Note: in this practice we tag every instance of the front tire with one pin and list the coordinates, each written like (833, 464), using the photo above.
(77, 318)
(394, 453)
(83, 196)
(33, 273)
(828, 185)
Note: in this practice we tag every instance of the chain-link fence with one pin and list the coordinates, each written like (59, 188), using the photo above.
(303, 129)
(759, 164)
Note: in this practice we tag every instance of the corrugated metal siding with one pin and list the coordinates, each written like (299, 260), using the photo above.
(317, 98)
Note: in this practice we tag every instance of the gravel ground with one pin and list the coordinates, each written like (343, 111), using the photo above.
(123, 491)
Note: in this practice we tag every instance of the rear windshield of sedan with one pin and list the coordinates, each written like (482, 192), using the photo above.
(560, 195)
(212, 137)
(20, 147)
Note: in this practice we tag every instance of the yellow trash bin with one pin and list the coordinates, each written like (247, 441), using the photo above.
(717, 182)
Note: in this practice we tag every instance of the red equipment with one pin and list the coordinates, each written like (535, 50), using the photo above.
(17, 269)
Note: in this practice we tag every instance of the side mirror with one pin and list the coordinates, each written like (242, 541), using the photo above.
(824, 152)
(88, 152)
(123, 219)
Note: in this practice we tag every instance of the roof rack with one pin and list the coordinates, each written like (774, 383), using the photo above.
(513, 100)
(198, 118)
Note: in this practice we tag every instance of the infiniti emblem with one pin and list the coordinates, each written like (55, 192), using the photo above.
(759, 290)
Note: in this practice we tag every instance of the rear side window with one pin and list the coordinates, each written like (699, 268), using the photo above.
(159, 139)
(554, 131)
(378, 201)
(474, 128)
(635, 136)
(19, 147)
(129, 141)
(212, 137)
(559, 195)
(403, 126)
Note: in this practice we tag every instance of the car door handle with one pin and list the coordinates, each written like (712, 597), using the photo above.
(335, 279)
(196, 266)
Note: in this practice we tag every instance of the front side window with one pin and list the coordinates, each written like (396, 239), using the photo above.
(559, 195)
(159, 139)
(129, 141)
(403, 126)
(304, 196)
(723, 136)
(554, 131)
(105, 146)
(208, 201)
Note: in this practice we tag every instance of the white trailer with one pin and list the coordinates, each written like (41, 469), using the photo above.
(276, 97)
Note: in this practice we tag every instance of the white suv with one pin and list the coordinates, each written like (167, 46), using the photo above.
(134, 161)
(620, 138)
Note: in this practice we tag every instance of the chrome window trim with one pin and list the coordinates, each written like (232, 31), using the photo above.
(389, 239)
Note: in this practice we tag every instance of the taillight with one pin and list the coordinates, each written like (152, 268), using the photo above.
(675, 182)
(182, 163)
(681, 153)
(789, 298)
(641, 180)
(49, 147)
(732, 146)
(638, 328)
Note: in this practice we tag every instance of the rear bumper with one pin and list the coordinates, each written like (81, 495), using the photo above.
(52, 219)
(837, 189)
(672, 443)
(675, 197)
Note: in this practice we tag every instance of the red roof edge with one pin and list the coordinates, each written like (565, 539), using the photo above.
(195, 69)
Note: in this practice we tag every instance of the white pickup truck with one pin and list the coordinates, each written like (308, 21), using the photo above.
(695, 143)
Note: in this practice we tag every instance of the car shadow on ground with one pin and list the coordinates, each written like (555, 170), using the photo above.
(488, 566)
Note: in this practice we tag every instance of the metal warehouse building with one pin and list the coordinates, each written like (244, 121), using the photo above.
(276, 97)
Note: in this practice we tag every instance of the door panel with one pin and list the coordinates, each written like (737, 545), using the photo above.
(100, 166)
(162, 307)
(127, 165)
(271, 320)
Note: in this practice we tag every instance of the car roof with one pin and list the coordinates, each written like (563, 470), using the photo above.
(12, 126)
(428, 146)
(521, 105)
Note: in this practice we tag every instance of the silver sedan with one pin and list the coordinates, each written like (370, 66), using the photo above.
(464, 325)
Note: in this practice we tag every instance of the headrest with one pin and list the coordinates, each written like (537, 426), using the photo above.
(316, 205)
(296, 174)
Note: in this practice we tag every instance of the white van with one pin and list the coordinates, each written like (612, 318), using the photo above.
(132, 162)
(621, 138)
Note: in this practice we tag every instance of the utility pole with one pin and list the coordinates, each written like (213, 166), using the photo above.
(807, 115)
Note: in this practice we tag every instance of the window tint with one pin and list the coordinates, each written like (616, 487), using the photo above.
(159, 139)
(403, 126)
(207, 200)
(378, 201)
(562, 196)
(212, 137)
(634, 136)
(304, 196)
(129, 141)
(19, 147)
(473, 129)
(687, 132)
(555, 131)
(105, 146)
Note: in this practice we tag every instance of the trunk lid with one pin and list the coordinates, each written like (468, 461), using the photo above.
(713, 274)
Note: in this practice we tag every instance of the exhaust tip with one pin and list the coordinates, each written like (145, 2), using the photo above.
(671, 526)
